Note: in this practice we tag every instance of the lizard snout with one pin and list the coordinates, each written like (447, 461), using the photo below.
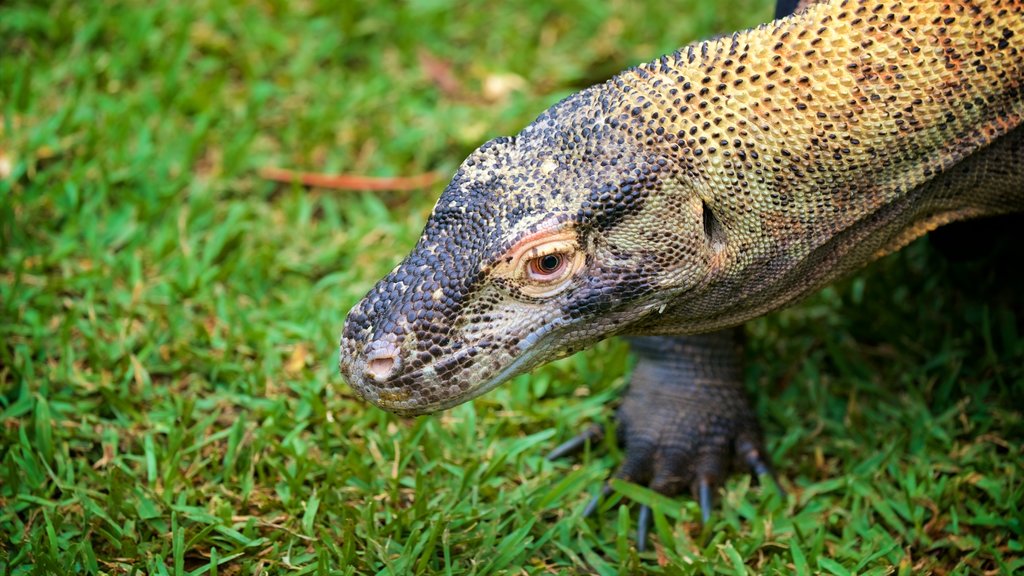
(368, 362)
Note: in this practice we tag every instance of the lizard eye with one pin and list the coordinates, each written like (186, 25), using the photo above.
(543, 264)
(548, 267)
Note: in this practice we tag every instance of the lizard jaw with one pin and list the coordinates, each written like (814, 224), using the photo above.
(510, 371)
(401, 396)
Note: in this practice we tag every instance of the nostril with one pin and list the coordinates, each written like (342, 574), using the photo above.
(381, 367)
(383, 358)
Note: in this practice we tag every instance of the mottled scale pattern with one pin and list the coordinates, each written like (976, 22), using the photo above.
(705, 188)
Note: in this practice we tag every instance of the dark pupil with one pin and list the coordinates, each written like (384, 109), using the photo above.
(550, 263)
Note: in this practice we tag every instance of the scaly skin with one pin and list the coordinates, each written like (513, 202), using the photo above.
(698, 191)
(693, 193)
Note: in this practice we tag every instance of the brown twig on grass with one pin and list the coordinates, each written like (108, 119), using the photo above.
(350, 181)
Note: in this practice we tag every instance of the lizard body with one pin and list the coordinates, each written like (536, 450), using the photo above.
(700, 190)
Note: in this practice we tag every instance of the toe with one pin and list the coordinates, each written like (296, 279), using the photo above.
(576, 444)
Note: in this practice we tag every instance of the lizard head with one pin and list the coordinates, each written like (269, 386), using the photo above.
(540, 246)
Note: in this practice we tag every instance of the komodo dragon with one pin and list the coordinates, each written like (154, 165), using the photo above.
(688, 195)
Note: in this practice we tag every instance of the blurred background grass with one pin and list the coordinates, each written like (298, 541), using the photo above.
(169, 399)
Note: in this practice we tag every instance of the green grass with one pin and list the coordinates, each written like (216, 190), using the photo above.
(169, 398)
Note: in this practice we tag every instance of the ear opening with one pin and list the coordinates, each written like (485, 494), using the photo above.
(713, 229)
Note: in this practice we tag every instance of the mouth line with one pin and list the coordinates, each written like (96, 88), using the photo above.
(509, 371)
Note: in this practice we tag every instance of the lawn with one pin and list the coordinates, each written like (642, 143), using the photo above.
(169, 395)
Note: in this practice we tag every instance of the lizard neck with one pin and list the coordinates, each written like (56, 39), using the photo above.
(817, 154)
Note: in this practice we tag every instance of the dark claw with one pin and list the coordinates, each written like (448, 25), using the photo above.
(592, 505)
(592, 435)
(643, 524)
(757, 464)
(761, 468)
(704, 497)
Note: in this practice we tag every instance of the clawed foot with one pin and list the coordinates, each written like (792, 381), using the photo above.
(702, 487)
(685, 424)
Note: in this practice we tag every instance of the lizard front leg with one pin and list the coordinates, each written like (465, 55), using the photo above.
(685, 421)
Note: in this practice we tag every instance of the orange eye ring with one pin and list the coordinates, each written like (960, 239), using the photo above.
(542, 264)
